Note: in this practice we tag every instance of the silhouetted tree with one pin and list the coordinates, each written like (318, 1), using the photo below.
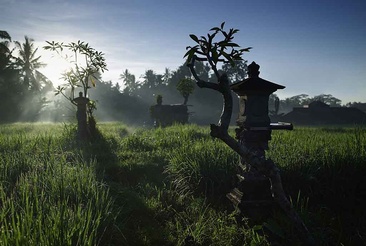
(359, 105)
(225, 50)
(166, 76)
(287, 104)
(15, 73)
(328, 99)
(150, 79)
(81, 76)
(129, 82)
(185, 88)
(11, 90)
(116, 106)
(5, 52)
(238, 72)
(159, 80)
(180, 73)
(4, 45)
(29, 63)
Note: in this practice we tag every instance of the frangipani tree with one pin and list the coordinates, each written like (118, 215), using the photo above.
(215, 51)
(87, 65)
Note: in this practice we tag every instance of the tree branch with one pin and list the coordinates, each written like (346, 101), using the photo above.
(201, 83)
(269, 169)
(264, 166)
(227, 107)
(213, 65)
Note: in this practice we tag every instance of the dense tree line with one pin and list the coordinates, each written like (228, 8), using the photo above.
(287, 104)
(131, 104)
(22, 86)
(175, 87)
(23, 89)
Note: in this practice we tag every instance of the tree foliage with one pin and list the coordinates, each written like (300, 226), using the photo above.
(139, 91)
(185, 88)
(151, 79)
(10, 84)
(22, 86)
(238, 72)
(214, 52)
(29, 63)
(287, 104)
(129, 82)
(87, 66)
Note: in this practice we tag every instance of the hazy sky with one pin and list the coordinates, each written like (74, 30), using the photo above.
(310, 46)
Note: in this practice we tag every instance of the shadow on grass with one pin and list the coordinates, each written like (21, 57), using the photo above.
(332, 202)
(135, 222)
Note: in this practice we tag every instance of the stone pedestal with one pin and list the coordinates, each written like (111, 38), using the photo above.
(253, 193)
(81, 116)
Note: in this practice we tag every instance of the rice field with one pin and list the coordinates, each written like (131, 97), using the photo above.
(135, 186)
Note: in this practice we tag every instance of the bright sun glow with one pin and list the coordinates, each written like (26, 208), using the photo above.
(54, 68)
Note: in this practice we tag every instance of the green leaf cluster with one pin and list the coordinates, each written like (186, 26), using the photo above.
(207, 49)
(186, 87)
(79, 76)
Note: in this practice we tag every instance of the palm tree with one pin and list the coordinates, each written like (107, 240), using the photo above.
(10, 87)
(8, 70)
(129, 81)
(5, 53)
(29, 64)
(4, 44)
(166, 76)
(150, 79)
(125, 76)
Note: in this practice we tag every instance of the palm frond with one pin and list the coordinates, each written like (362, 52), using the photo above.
(5, 35)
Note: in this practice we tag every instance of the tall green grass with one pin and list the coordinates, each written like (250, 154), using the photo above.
(327, 166)
(322, 170)
(49, 195)
(167, 186)
(170, 182)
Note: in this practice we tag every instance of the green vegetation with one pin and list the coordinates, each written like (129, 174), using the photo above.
(168, 186)
(23, 88)
(30, 95)
(185, 87)
(49, 194)
(82, 76)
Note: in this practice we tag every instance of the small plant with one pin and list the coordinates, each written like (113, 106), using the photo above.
(185, 88)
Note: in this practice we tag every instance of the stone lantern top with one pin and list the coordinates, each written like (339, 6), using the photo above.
(254, 84)
(253, 70)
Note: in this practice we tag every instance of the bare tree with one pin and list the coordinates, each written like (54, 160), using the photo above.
(226, 51)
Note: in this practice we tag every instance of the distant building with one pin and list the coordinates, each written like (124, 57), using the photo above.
(166, 115)
(319, 113)
(359, 105)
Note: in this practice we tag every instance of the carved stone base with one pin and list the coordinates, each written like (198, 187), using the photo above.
(253, 198)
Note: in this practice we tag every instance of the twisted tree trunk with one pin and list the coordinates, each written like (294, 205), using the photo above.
(265, 167)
